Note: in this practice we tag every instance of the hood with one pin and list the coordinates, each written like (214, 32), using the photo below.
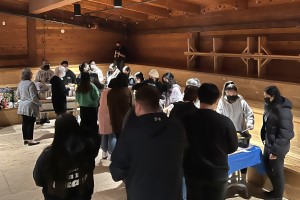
(286, 103)
(153, 124)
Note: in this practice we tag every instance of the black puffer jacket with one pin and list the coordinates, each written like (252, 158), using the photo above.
(277, 129)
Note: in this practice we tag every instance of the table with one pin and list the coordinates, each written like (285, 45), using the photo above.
(243, 158)
(48, 106)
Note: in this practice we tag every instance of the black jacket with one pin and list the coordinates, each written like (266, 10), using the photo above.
(211, 137)
(79, 185)
(148, 158)
(182, 109)
(70, 77)
(278, 129)
(59, 92)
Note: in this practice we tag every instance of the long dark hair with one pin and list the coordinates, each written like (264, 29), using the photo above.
(272, 109)
(85, 83)
(71, 150)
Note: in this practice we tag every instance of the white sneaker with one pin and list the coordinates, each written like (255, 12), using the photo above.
(108, 156)
(104, 155)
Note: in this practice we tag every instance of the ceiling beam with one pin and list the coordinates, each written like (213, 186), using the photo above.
(99, 6)
(178, 5)
(41, 6)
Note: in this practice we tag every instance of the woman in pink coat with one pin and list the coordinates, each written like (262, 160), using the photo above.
(108, 138)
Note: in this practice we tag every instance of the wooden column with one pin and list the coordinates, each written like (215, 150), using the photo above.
(193, 43)
(31, 42)
(217, 45)
(262, 49)
(252, 46)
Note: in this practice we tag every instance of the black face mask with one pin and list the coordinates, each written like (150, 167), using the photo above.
(267, 100)
(232, 99)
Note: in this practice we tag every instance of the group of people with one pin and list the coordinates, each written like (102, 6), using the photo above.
(150, 150)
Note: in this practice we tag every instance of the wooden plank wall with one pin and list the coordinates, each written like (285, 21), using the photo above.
(25, 42)
(13, 41)
(166, 49)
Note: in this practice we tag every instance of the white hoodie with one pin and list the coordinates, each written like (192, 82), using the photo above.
(239, 112)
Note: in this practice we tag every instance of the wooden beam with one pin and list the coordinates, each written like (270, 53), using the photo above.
(41, 6)
(178, 5)
(31, 42)
(246, 55)
(258, 15)
(99, 6)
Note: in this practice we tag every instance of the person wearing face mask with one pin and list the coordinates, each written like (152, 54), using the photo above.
(276, 133)
(112, 73)
(234, 106)
(173, 91)
(119, 56)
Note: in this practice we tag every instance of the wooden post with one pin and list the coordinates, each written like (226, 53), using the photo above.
(217, 44)
(31, 42)
(192, 41)
(252, 46)
(261, 63)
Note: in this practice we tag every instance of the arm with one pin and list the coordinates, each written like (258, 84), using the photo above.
(248, 114)
(34, 95)
(73, 77)
(95, 93)
(120, 159)
(232, 140)
(220, 107)
(284, 131)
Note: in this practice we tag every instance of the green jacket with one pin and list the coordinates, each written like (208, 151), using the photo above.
(89, 99)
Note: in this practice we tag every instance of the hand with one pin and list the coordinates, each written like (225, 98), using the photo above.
(250, 127)
(272, 157)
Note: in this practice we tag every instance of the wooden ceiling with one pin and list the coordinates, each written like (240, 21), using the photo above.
(102, 12)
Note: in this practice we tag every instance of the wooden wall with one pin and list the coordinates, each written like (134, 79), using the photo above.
(166, 49)
(25, 42)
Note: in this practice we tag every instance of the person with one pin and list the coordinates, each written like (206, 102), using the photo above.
(108, 141)
(146, 140)
(119, 56)
(112, 73)
(42, 80)
(59, 91)
(211, 137)
(234, 106)
(96, 70)
(83, 68)
(131, 81)
(194, 82)
(70, 77)
(119, 101)
(29, 106)
(65, 169)
(182, 108)
(139, 80)
(173, 91)
(276, 134)
(87, 96)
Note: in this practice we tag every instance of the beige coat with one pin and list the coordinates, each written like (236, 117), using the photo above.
(103, 114)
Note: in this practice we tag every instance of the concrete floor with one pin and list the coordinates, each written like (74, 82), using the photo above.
(17, 162)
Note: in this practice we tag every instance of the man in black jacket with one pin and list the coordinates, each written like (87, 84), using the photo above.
(211, 137)
(148, 155)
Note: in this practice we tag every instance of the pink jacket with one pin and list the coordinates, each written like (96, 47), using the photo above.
(103, 114)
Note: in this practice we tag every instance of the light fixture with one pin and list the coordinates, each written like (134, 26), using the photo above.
(77, 9)
(117, 3)
(3, 23)
(62, 30)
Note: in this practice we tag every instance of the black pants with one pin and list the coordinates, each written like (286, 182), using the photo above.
(27, 127)
(205, 190)
(89, 116)
(120, 63)
(275, 172)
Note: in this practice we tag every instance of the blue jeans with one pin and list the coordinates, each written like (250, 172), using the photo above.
(184, 195)
(108, 142)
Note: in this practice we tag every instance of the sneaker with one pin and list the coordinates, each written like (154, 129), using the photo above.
(104, 155)
(108, 156)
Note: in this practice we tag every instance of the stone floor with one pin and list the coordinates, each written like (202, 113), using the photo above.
(17, 162)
